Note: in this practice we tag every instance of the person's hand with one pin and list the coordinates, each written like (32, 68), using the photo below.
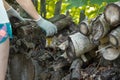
(47, 26)
(13, 13)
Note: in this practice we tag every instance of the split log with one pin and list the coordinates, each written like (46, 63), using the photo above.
(27, 45)
(78, 45)
(114, 37)
(112, 13)
(100, 28)
(75, 69)
(109, 52)
(84, 27)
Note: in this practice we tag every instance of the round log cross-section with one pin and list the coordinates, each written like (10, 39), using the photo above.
(112, 13)
(84, 27)
(114, 37)
(78, 44)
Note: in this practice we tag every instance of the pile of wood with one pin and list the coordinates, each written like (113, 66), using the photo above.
(102, 32)
(72, 54)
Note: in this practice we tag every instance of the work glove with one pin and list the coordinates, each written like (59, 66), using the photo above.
(13, 13)
(47, 26)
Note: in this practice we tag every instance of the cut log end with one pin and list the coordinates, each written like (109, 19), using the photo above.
(83, 28)
(112, 14)
(113, 40)
(111, 53)
(114, 37)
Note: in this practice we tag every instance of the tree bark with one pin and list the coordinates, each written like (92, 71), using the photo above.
(100, 28)
(63, 23)
(58, 8)
(78, 45)
(43, 8)
(85, 28)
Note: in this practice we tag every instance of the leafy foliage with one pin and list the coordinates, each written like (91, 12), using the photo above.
(91, 7)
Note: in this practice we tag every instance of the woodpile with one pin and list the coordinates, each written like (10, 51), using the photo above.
(66, 55)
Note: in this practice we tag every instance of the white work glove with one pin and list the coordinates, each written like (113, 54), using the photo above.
(47, 26)
(13, 13)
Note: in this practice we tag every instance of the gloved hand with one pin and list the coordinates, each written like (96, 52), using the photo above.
(13, 13)
(47, 26)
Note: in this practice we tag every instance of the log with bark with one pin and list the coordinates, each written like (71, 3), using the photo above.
(112, 13)
(78, 45)
(85, 28)
(100, 28)
(114, 37)
(109, 52)
(75, 69)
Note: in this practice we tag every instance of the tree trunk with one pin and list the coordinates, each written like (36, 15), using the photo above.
(58, 8)
(75, 69)
(112, 14)
(43, 8)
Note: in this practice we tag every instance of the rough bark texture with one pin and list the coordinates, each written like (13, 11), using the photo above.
(78, 45)
(99, 28)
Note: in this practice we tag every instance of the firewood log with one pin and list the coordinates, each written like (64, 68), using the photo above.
(75, 69)
(78, 45)
(57, 18)
(99, 28)
(63, 23)
(112, 13)
(114, 37)
(84, 27)
(109, 52)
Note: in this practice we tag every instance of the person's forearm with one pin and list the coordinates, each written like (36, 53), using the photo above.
(28, 6)
(6, 5)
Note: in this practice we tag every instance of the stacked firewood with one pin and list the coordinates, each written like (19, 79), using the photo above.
(99, 35)
(33, 56)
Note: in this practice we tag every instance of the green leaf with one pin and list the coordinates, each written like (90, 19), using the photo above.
(97, 1)
(109, 1)
(100, 1)
(76, 3)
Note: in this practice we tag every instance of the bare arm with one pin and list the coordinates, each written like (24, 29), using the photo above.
(28, 6)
